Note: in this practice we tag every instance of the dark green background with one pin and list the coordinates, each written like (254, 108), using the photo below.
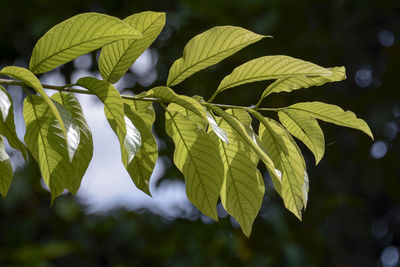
(351, 193)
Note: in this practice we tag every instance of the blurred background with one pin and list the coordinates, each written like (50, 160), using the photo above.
(353, 213)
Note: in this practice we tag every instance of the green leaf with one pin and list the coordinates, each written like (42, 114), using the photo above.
(189, 114)
(166, 94)
(287, 157)
(6, 172)
(116, 58)
(243, 188)
(209, 48)
(196, 155)
(32, 81)
(270, 67)
(221, 133)
(142, 165)
(333, 114)
(7, 125)
(84, 152)
(128, 135)
(144, 108)
(46, 142)
(76, 36)
(306, 129)
(296, 82)
(251, 139)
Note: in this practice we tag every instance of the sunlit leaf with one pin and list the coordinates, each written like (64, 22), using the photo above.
(142, 165)
(243, 188)
(116, 58)
(196, 155)
(32, 81)
(170, 96)
(306, 129)
(287, 157)
(77, 36)
(221, 133)
(271, 67)
(209, 48)
(46, 142)
(6, 172)
(333, 114)
(144, 108)
(128, 135)
(7, 124)
(84, 152)
(296, 82)
(251, 139)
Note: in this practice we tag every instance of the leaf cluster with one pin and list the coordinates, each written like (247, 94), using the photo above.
(216, 148)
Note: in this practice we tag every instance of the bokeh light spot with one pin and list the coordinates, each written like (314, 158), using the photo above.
(390, 257)
(386, 38)
(378, 149)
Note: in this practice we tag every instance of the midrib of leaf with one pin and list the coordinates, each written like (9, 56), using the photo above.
(70, 47)
(201, 61)
(190, 156)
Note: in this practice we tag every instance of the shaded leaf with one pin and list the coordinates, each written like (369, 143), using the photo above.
(142, 165)
(333, 114)
(306, 129)
(270, 67)
(44, 139)
(7, 124)
(84, 152)
(116, 58)
(209, 48)
(196, 155)
(77, 36)
(243, 188)
(6, 172)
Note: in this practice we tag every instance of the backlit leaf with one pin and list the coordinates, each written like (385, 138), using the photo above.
(7, 124)
(116, 58)
(243, 188)
(271, 67)
(196, 155)
(76, 36)
(333, 114)
(209, 48)
(46, 142)
(306, 129)
(142, 165)
(287, 157)
(6, 172)
(84, 152)
(221, 133)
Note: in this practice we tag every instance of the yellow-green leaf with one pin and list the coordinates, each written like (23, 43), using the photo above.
(6, 172)
(196, 155)
(296, 82)
(286, 156)
(221, 133)
(84, 152)
(7, 124)
(306, 129)
(333, 114)
(271, 67)
(243, 188)
(165, 93)
(76, 36)
(142, 165)
(32, 81)
(209, 48)
(116, 58)
(46, 142)
(251, 139)
(144, 108)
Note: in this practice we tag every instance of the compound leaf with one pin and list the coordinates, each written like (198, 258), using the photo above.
(7, 124)
(196, 155)
(333, 114)
(209, 48)
(306, 129)
(116, 58)
(84, 152)
(76, 36)
(6, 172)
(270, 67)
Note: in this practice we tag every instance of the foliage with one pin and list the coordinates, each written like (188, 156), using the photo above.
(217, 147)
